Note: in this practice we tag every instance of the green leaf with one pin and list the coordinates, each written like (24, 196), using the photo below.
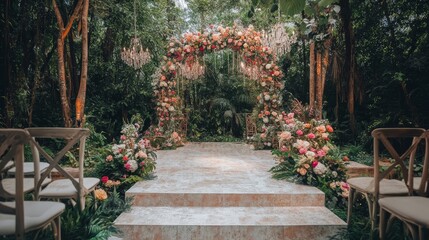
(266, 2)
(250, 14)
(292, 7)
(325, 3)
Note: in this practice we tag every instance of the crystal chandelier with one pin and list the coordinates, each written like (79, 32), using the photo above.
(252, 72)
(191, 71)
(278, 40)
(135, 56)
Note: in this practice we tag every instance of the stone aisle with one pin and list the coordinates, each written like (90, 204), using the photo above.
(224, 191)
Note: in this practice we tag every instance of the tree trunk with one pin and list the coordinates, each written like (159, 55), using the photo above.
(80, 100)
(319, 87)
(350, 67)
(312, 86)
(63, 32)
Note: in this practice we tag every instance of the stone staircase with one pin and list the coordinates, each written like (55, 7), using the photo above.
(223, 191)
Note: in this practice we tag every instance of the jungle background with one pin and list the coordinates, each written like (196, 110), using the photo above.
(382, 44)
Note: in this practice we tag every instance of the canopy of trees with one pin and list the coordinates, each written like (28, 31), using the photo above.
(377, 61)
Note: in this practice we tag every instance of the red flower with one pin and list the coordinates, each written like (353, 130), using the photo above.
(314, 164)
(104, 179)
(213, 46)
(329, 128)
(201, 49)
(125, 158)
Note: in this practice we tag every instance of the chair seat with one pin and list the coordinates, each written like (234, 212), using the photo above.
(64, 188)
(29, 168)
(36, 215)
(8, 185)
(411, 209)
(387, 186)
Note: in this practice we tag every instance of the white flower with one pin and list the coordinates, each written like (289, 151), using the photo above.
(301, 144)
(263, 84)
(334, 174)
(320, 169)
(171, 109)
(268, 66)
(310, 154)
(267, 97)
(133, 165)
(265, 119)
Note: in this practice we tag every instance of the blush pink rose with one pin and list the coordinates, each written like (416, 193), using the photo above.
(311, 136)
(302, 151)
(299, 132)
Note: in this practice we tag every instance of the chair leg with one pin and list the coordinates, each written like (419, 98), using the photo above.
(383, 223)
(423, 233)
(56, 228)
(350, 205)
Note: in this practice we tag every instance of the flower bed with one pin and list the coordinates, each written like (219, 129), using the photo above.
(306, 155)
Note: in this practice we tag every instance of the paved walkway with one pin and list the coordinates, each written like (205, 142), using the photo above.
(226, 185)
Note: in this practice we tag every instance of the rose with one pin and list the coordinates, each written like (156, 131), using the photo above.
(131, 165)
(109, 158)
(311, 136)
(100, 194)
(320, 169)
(299, 132)
(302, 150)
(125, 158)
(329, 128)
(123, 137)
(302, 171)
(314, 164)
(321, 153)
(104, 179)
(285, 135)
(141, 154)
(284, 149)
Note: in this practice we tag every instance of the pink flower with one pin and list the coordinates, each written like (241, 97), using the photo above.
(321, 153)
(311, 136)
(125, 158)
(290, 115)
(302, 151)
(314, 164)
(285, 135)
(329, 128)
(299, 132)
(104, 179)
(127, 166)
(109, 158)
(284, 149)
(123, 137)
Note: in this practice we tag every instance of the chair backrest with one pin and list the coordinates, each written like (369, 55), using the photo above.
(72, 136)
(12, 148)
(423, 188)
(410, 139)
(250, 125)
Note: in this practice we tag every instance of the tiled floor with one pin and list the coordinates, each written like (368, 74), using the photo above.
(223, 191)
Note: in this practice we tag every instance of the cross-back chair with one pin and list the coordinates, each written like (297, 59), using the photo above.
(19, 216)
(378, 186)
(412, 210)
(69, 187)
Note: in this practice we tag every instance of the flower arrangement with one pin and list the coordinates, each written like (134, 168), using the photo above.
(306, 155)
(191, 46)
(131, 160)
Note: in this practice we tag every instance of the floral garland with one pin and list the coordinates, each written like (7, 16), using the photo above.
(192, 46)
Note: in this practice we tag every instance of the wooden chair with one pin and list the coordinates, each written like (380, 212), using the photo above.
(19, 216)
(378, 186)
(250, 126)
(413, 211)
(68, 188)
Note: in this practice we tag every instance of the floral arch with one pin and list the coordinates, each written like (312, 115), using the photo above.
(192, 46)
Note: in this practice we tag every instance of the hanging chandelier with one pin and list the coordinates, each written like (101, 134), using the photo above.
(252, 72)
(191, 71)
(135, 56)
(278, 40)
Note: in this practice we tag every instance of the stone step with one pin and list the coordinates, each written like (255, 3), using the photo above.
(236, 223)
